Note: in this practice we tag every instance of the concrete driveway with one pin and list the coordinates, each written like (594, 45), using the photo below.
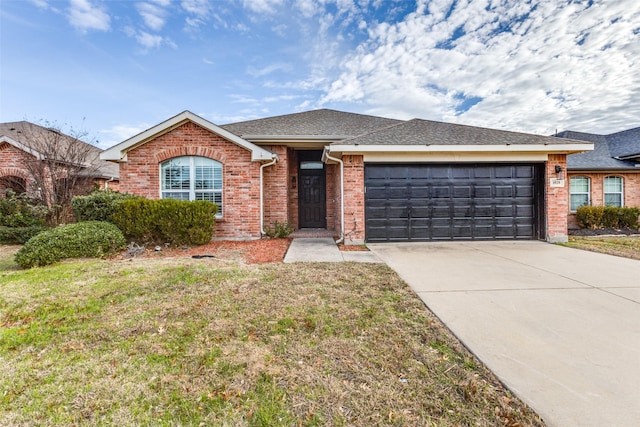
(560, 327)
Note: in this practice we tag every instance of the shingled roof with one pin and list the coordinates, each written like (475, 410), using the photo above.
(20, 133)
(322, 124)
(426, 132)
(616, 151)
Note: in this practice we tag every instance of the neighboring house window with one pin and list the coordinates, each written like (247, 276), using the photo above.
(579, 187)
(192, 178)
(613, 191)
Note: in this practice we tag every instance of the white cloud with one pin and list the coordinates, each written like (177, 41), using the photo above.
(153, 16)
(118, 133)
(269, 69)
(42, 4)
(201, 9)
(262, 6)
(86, 16)
(534, 68)
(149, 41)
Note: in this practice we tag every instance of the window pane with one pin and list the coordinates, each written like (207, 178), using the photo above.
(175, 175)
(579, 184)
(578, 200)
(613, 200)
(215, 197)
(613, 184)
(180, 195)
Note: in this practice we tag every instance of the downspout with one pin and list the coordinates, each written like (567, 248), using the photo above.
(271, 163)
(328, 156)
(106, 183)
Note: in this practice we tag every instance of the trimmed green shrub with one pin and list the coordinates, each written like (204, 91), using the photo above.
(18, 210)
(607, 217)
(93, 239)
(280, 230)
(177, 222)
(19, 235)
(99, 205)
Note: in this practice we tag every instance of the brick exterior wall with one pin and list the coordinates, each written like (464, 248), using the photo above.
(354, 199)
(11, 165)
(556, 200)
(630, 187)
(275, 187)
(240, 176)
(292, 176)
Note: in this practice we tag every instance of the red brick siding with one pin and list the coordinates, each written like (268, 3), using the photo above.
(556, 199)
(241, 193)
(11, 162)
(630, 186)
(333, 196)
(292, 186)
(275, 187)
(354, 199)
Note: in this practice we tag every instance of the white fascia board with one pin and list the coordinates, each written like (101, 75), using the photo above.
(412, 148)
(119, 152)
(20, 146)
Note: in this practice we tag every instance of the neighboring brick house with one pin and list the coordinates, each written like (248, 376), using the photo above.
(607, 176)
(366, 178)
(20, 143)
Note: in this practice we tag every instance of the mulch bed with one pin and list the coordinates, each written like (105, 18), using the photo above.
(249, 251)
(585, 232)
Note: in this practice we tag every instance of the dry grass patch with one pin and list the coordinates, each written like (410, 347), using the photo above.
(207, 342)
(628, 247)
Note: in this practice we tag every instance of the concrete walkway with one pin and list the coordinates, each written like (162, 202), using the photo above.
(560, 327)
(324, 250)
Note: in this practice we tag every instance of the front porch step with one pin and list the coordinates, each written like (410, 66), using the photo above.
(313, 233)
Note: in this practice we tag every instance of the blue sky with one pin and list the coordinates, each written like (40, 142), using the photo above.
(115, 68)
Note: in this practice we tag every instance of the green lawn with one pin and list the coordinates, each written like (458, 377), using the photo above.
(623, 246)
(211, 342)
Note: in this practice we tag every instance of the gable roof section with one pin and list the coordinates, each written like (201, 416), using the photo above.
(118, 152)
(615, 152)
(317, 125)
(419, 135)
(18, 134)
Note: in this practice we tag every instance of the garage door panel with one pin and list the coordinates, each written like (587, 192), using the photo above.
(436, 202)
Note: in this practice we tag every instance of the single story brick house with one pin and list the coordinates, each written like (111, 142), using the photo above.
(367, 178)
(607, 176)
(24, 142)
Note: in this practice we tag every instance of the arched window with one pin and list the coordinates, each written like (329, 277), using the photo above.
(580, 192)
(192, 178)
(613, 191)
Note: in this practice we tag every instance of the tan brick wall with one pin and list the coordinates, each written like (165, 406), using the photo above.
(241, 197)
(631, 189)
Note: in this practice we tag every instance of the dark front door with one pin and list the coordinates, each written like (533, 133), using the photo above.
(312, 198)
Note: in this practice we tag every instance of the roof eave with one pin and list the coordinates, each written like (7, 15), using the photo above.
(426, 148)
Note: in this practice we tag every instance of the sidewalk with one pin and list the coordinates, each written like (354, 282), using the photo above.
(324, 249)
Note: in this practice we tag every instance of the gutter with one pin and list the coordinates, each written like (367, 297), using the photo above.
(327, 156)
(273, 161)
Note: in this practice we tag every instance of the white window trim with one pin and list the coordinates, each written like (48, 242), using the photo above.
(588, 193)
(192, 175)
(604, 192)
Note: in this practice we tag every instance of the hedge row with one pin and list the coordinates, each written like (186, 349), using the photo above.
(19, 235)
(177, 222)
(83, 239)
(607, 217)
(99, 205)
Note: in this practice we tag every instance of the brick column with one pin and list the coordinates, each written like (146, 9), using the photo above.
(353, 199)
(556, 200)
